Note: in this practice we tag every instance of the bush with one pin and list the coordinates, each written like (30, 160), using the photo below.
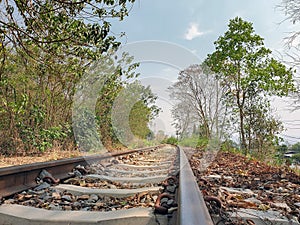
(171, 140)
(194, 142)
(230, 146)
(296, 157)
(43, 139)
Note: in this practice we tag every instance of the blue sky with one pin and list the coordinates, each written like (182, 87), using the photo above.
(195, 25)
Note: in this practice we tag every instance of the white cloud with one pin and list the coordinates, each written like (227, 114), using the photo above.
(193, 32)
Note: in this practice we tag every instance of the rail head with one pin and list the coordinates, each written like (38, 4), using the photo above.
(192, 208)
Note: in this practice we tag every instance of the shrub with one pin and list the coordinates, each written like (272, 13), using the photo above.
(171, 140)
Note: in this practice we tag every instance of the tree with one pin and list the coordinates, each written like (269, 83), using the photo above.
(61, 27)
(143, 111)
(291, 9)
(132, 110)
(33, 101)
(261, 127)
(184, 118)
(248, 71)
(198, 95)
(45, 49)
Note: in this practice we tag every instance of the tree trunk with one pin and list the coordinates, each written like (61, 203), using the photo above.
(243, 138)
(240, 104)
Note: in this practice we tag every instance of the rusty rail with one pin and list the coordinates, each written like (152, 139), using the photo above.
(15, 179)
(192, 208)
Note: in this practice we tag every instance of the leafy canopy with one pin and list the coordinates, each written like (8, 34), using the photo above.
(61, 27)
(243, 61)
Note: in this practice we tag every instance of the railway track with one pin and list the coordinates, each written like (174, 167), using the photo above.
(145, 186)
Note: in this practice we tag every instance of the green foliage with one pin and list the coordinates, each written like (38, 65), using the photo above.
(203, 143)
(296, 157)
(278, 156)
(261, 127)
(87, 137)
(44, 53)
(44, 138)
(282, 148)
(35, 100)
(62, 28)
(139, 118)
(194, 141)
(295, 147)
(143, 111)
(250, 75)
(230, 146)
(170, 140)
(126, 103)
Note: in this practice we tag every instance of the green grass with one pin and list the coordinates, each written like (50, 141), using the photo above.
(194, 142)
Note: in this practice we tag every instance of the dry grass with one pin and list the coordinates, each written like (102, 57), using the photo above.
(54, 154)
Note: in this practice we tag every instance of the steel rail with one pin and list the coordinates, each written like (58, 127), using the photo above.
(192, 208)
(15, 179)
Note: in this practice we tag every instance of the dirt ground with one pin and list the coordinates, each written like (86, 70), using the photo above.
(42, 157)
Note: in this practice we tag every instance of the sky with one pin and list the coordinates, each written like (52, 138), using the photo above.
(187, 31)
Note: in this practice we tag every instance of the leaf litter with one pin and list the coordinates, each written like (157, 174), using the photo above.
(234, 182)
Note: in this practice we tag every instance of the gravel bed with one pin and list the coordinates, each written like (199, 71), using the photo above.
(53, 199)
(236, 182)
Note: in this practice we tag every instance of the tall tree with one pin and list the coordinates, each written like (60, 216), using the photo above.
(247, 69)
(199, 90)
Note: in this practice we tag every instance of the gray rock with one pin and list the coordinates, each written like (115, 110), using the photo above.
(64, 203)
(238, 190)
(85, 209)
(33, 192)
(164, 200)
(170, 202)
(111, 186)
(280, 189)
(253, 200)
(115, 161)
(55, 207)
(77, 204)
(93, 198)
(260, 217)
(42, 186)
(217, 177)
(77, 173)
(47, 198)
(171, 188)
(66, 198)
